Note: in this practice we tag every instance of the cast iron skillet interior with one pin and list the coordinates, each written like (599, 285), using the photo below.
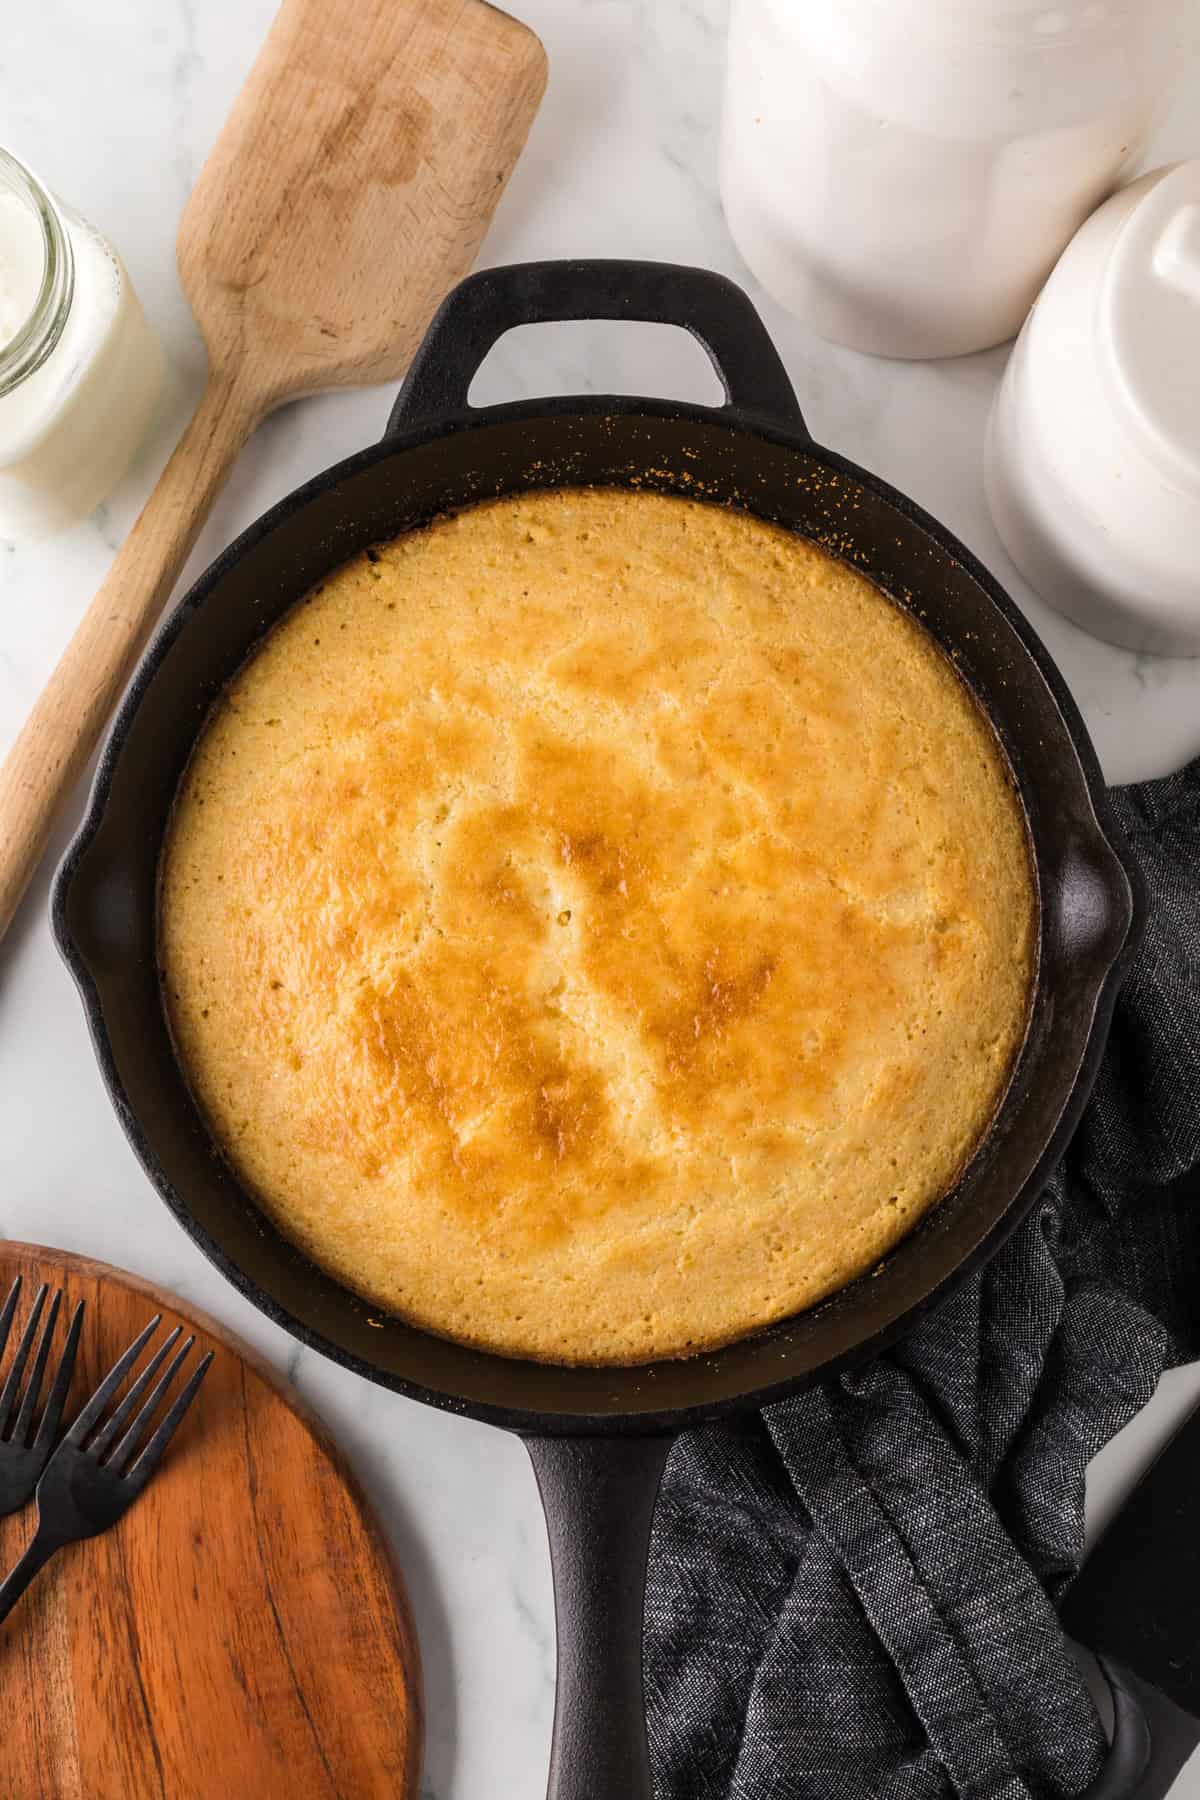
(599, 1445)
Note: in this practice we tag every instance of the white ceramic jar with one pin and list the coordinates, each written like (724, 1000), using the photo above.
(1093, 450)
(903, 174)
(80, 369)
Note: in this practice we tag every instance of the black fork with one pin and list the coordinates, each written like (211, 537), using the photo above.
(24, 1453)
(90, 1480)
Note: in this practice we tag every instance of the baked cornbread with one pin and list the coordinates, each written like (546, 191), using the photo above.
(597, 925)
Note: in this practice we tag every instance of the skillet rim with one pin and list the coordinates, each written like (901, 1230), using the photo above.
(1120, 878)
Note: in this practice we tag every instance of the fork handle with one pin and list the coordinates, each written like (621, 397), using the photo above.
(36, 1556)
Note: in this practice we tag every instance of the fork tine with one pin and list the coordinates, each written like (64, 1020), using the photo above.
(123, 1454)
(51, 1418)
(112, 1381)
(10, 1307)
(129, 1399)
(11, 1388)
(151, 1456)
(33, 1387)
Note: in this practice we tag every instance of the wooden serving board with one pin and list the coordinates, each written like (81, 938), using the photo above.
(241, 1634)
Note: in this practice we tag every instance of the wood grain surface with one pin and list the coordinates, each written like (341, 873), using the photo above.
(241, 1634)
(349, 189)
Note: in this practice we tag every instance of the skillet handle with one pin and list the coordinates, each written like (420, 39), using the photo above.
(479, 311)
(1152, 1741)
(599, 1494)
(1129, 1753)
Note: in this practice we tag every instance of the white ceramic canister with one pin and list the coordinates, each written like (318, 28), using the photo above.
(903, 174)
(80, 369)
(1093, 450)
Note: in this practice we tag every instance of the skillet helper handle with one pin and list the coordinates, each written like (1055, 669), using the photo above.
(599, 1494)
(53, 746)
(478, 312)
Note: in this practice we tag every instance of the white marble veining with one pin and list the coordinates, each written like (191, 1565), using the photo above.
(116, 106)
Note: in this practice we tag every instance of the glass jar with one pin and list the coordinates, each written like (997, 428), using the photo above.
(904, 177)
(80, 369)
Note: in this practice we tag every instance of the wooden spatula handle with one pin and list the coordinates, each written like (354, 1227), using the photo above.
(60, 733)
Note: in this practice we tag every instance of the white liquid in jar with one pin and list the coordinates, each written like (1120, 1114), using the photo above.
(68, 430)
(22, 260)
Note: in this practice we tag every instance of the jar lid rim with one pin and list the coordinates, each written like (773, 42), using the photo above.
(43, 325)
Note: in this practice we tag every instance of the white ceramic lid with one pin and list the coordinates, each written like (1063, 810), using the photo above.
(1149, 323)
(1092, 463)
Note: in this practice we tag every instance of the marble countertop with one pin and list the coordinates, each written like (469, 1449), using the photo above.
(116, 106)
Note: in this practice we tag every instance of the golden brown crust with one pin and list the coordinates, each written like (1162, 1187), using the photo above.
(598, 925)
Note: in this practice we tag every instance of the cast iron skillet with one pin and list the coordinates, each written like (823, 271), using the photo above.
(598, 1437)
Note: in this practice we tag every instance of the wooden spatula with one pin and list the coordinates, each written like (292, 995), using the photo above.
(349, 189)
